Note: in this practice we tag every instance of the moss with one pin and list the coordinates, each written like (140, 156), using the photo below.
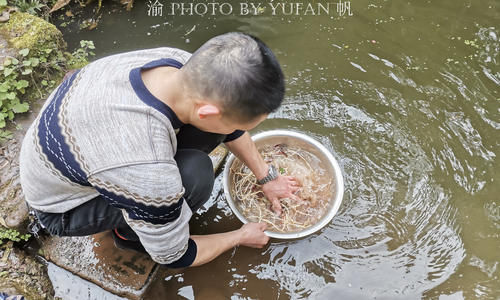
(26, 31)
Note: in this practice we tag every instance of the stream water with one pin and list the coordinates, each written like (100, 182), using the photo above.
(406, 96)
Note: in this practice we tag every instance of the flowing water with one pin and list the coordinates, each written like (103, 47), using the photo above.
(406, 96)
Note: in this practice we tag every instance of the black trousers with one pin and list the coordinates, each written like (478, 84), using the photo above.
(97, 215)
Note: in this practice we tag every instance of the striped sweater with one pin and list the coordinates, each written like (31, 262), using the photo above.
(102, 133)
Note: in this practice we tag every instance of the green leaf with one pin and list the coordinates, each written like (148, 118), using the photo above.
(27, 63)
(15, 61)
(34, 61)
(21, 84)
(3, 2)
(24, 52)
(21, 107)
(11, 96)
(4, 87)
(7, 71)
(2, 123)
(7, 62)
(10, 115)
(48, 51)
(5, 134)
(3, 96)
(44, 82)
(26, 71)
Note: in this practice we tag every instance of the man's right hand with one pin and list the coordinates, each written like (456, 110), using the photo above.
(212, 245)
(252, 235)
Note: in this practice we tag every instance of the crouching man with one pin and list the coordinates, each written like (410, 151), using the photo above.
(122, 145)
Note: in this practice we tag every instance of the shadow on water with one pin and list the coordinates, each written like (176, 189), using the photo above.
(406, 95)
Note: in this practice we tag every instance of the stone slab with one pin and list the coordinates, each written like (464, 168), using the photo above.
(95, 258)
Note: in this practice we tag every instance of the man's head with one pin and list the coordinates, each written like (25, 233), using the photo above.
(237, 74)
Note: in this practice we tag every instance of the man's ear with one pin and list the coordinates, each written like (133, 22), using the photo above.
(206, 110)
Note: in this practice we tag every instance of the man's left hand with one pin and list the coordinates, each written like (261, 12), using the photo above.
(281, 187)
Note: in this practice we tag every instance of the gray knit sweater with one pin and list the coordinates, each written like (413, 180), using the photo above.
(95, 135)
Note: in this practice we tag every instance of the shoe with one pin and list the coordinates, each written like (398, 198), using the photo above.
(125, 244)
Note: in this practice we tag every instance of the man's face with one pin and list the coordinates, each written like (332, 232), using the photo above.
(224, 125)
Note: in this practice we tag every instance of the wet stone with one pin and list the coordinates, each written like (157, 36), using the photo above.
(22, 274)
(95, 258)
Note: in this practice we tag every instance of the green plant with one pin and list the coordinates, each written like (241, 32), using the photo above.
(17, 76)
(33, 7)
(30, 76)
(80, 56)
(12, 235)
(13, 85)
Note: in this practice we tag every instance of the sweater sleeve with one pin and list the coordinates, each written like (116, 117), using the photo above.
(150, 196)
(234, 135)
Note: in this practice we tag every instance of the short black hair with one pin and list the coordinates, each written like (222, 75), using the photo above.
(239, 70)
